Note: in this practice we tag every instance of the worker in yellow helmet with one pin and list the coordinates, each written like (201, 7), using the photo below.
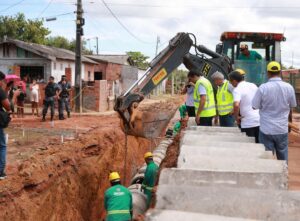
(150, 177)
(117, 200)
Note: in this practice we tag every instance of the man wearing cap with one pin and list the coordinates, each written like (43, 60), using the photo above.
(224, 99)
(248, 55)
(117, 200)
(275, 100)
(204, 99)
(244, 114)
(150, 177)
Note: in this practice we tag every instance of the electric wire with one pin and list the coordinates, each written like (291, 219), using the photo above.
(121, 23)
(47, 6)
(11, 6)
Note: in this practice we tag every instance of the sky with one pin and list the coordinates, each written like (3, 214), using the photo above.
(145, 20)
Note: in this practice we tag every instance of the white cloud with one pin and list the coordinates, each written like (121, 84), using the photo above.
(206, 19)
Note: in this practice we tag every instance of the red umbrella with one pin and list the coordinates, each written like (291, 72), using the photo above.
(12, 77)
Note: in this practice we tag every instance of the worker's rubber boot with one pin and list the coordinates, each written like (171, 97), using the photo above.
(61, 117)
(69, 114)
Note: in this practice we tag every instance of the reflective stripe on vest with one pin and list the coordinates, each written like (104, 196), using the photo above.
(224, 99)
(147, 187)
(113, 212)
(209, 109)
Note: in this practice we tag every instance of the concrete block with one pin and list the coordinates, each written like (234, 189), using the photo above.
(215, 129)
(232, 202)
(198, 177)
(234, 164)
(213, 138)
(163, 215)
(210, 132)
(236, 145)
(186, 151)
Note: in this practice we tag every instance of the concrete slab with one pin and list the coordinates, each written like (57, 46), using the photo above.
(197, 138)
(198, 177)
(234, 164)
(210, 132)
(232, 202)
(163, 215)
(186, 151)
(235, 145)
(215, 128)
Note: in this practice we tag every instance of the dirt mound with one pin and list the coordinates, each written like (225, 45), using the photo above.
(67, 181)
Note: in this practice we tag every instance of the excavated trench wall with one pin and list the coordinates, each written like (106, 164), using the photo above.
(67, 182)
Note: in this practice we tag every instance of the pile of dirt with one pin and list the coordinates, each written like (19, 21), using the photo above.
(67, 181)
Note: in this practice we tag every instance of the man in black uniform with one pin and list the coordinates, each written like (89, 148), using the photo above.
(64, 95)
(51, 91)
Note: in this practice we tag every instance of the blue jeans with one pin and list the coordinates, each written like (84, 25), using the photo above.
(276, 143)
(62, 104)
(226, 120)
(2, 151)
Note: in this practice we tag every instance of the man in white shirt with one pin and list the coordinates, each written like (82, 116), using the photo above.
(275, 99)
(245, 115)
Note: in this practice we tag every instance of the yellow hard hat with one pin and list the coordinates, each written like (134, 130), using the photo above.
(114, 176)
(273, 66)
(148, 154)
(241, 71)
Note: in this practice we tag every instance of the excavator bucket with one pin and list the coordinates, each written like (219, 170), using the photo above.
(148, 120)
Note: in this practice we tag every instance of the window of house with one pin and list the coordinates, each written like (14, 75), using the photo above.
(20, 53)
(54, 65)
(98, 76)
(5, 50)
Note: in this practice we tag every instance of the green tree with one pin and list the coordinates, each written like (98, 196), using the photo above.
(62, 42)
(139, 59)
(18, 27)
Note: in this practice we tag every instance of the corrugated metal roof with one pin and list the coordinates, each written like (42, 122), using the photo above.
(51, 53)
(117, 59)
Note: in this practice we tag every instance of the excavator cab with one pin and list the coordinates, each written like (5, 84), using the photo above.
(266, 47)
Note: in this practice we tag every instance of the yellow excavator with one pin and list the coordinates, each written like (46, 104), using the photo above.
(179, 51)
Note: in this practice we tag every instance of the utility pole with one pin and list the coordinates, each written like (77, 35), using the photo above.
(97, 47)
(79, 33)
(158, 88)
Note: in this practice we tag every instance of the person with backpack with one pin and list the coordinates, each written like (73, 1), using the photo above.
(20, 99)
(4, 115)
(51, 91)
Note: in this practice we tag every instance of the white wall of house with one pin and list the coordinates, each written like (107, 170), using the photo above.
(58, 69)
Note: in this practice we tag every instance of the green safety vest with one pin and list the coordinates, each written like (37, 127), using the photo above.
(224, 99)
(118, 203)
(209, 109)
(150, 180)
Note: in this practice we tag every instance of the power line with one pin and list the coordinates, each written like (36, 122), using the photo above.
(119, 21)
(47, 6)
(11, 6)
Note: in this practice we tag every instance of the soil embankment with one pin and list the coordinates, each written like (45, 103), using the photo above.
(67, 181)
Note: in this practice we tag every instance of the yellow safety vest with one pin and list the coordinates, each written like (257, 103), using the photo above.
(224, 99)
(209, 109)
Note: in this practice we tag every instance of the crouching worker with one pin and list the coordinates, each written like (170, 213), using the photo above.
(150, 177)
(117, 200)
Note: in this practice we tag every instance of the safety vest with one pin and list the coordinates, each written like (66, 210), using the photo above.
(224, 99)
(209, 109)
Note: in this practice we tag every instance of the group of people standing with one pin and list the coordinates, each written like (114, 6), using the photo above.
(61, 92)
(261, 112)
